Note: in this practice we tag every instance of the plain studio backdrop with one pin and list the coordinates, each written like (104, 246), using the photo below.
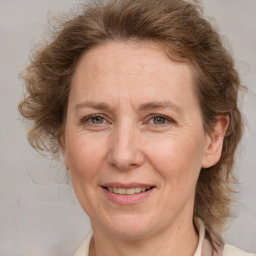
(39, 214)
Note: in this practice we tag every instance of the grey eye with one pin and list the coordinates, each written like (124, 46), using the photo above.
(97, 120)
(159, 120)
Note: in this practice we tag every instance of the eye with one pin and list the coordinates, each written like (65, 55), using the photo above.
(94, 120)
(157, 119)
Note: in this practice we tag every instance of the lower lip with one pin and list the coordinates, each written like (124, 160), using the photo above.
(128, 199)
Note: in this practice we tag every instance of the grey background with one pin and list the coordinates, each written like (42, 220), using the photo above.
(39, 214)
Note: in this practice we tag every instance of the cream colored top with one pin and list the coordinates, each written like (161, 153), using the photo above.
(203, 248)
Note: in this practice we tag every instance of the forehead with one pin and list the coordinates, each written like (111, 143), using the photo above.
(129, 69)
(128, 57)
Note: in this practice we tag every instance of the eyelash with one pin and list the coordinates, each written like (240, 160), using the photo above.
(167, 119)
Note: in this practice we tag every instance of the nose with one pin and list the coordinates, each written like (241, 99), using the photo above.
(125, 152)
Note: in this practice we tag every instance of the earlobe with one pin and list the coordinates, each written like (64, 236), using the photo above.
(215, 142)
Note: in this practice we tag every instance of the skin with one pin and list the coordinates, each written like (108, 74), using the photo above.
(125, 143)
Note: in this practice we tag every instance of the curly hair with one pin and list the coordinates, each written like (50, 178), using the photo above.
(179, 26)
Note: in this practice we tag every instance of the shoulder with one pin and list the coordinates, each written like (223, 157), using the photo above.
(230, 250)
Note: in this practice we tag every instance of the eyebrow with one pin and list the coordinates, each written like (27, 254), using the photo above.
(143, 107)
(160, 105)
(92, 104)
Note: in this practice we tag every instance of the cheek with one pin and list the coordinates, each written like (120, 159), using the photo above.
(176, 159)
(84, 155)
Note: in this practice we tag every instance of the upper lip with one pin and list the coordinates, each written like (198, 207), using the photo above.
(126, 185)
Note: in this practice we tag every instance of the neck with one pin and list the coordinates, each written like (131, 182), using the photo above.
(180, 239)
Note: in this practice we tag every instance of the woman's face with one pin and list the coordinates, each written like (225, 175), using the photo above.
(134, 140)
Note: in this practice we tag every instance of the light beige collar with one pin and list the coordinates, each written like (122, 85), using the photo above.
(201, 230)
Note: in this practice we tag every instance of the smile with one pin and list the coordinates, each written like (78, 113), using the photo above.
(128, 191)
(126, 194)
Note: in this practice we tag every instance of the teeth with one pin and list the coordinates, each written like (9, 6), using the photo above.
(137, 190)
(129, 191)
(121, 191)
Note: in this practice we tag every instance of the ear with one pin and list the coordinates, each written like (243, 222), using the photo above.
(64, 151)
(214, 142)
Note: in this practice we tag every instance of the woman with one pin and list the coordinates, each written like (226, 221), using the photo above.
(141, 99)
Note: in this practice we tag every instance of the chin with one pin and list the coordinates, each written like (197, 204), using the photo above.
(130, 226)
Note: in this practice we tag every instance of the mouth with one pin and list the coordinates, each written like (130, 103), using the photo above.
(128, 191)
(127, 194)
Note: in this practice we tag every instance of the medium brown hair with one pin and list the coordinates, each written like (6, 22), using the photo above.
(186, 36)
